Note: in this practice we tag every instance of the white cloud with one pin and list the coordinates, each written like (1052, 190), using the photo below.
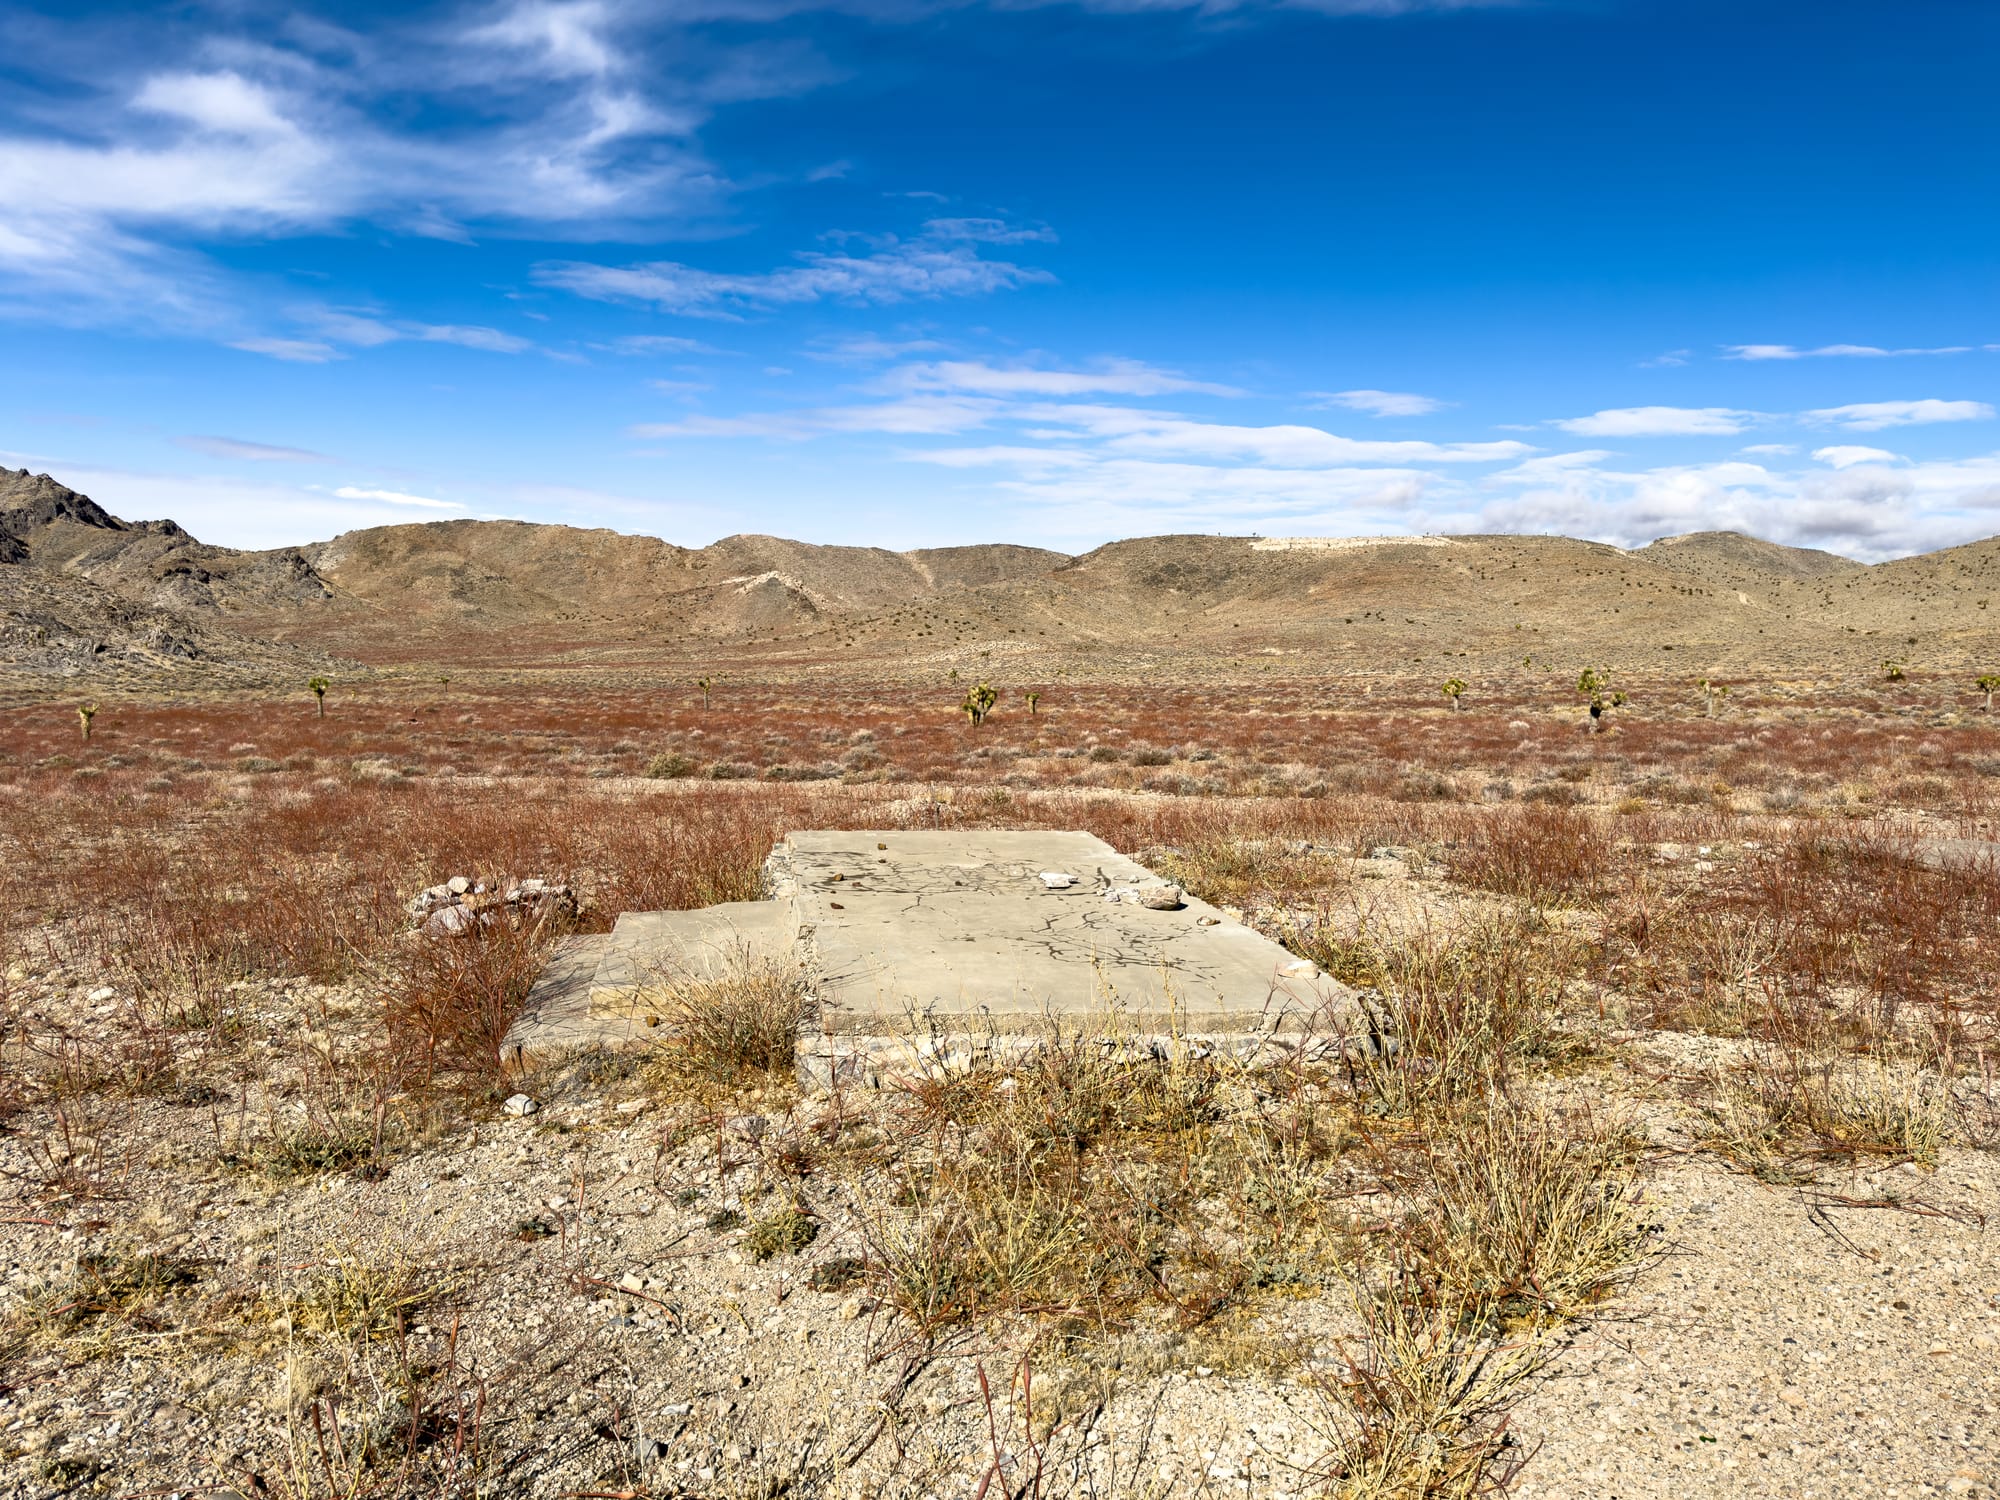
(225, 103)
(395, 497)
(941, 262)
(1772, 450)
(1117, 377)
(867, 349)
(492, 340)
(1161, 434)
(297, 351)
(656, 343)
(1381, 403)
(991, 231)
(1660, 421)
(230, 136)
(367, 331)
(1830, 351)
(1846, 456)
(1873, 416)
(916, 415)
(222, 447)
(566, 39)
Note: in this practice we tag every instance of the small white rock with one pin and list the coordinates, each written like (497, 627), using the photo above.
(519, 1104)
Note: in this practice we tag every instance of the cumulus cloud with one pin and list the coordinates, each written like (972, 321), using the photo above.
(1846, 456)
(1660, 421)
(1874, 416)
(940, 262)
(1381, 403)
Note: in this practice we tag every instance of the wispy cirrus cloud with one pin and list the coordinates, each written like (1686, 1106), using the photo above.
(940, 261)
(946, 397)
(556, 117)
(1755, 352)
(1659, 421)
(646, 344)
(1114, 377)
(1379, 403)
(293, 351)
(236, 448)
(1874, 416)
(395, 497)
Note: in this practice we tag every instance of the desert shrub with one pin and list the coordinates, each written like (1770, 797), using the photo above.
(1553, 794)
(1424, 786)
(451, 999)
(1539, 854)
(670, 765)
(824, 771)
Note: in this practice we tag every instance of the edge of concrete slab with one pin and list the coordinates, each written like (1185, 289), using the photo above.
(556, 1018)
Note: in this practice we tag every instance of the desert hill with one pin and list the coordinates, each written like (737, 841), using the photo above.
(79, 584)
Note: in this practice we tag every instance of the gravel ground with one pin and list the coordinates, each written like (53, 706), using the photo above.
(586, 1273)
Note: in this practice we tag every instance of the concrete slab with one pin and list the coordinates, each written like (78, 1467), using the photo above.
(954, 938)
(924, 949)
(649, 948)
(556, 1019)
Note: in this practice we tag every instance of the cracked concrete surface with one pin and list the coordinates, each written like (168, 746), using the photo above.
(922, 947)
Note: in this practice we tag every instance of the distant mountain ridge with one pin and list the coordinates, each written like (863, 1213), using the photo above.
(76, 576)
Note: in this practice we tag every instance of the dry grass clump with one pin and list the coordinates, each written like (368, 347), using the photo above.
(1419, 1411)
(1244, 872)
(735, 1027)
(1089, 1181)
(122, 1286)
(1525, 1212)
(1039, 1189)
(1786, 1110)
(362, 1296)
(1463, 1007)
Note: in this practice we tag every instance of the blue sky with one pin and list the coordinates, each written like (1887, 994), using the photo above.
(909, 272)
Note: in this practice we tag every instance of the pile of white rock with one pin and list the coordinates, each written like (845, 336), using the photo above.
(463, 903)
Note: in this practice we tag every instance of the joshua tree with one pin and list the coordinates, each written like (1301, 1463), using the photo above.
(1893, 669)
(1597, 691)
(319, 685)
(1034, 698)
(1710, 691)
(1989, 685)
(1454, 689)
(979, 703)
(707, 685)
(84, 714)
